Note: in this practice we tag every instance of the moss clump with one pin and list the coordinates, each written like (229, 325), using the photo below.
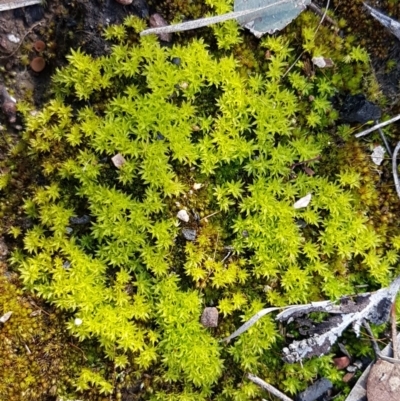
(179, 116)
(37, 356)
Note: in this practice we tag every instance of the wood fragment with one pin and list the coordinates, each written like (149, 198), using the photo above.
(377, 126)
(394, 169)
(11, 5)
(394, 331)
(268, 387)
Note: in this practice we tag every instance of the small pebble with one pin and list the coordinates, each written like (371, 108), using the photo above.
(157, 21)
(183, 215)
(351, 368)
(209, 317)
(78, 321)
(5, 317)
(118, 160)
(189, 234)
(197, 186)
(13, 38)
(80, 220)
(124, 2)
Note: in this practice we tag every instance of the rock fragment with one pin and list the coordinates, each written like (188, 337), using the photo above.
(183, 215)
(118, 160)
(357, 109)
(209, 317)
(189, 234)
(8, 105)
(156, 21)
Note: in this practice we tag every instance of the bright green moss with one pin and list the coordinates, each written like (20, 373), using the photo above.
(129, 277)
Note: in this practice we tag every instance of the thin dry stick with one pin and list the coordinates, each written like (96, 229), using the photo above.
(315, 33)
(318, 11)
(394, 331)
(210, 215)
(375, 127)
(83, 354)
(371, 334)
(216, 244)
(22, 40)
(268, 387)
(376, 348)
(323, 17)
(394, 169)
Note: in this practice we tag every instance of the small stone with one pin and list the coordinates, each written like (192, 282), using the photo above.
(209, 318)
(118, 160)
(78, 321)
(157, 21)
(5, 317)
(189, 234)
(341, 362)
(8, 105)
(322, 62)
(351, 368)
(183, 215)
(197, 186)
(302, 202)
(13, 38)
(378, 154)
(85, 219)
(357, 109)
(10, 110)
(124, 2)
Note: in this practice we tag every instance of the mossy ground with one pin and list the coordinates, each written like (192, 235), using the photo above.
(132, 279)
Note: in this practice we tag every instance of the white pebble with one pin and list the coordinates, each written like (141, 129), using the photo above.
(12, 38)
(183, 215)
